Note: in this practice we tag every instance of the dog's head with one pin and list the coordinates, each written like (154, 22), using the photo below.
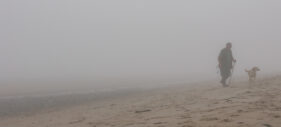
(256, 69)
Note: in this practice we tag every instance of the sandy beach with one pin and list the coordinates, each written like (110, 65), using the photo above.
(200, 105)
(140, 63)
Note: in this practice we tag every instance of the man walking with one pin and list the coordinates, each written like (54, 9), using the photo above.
(225, 63)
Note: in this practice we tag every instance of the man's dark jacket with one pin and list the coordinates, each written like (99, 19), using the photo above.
(225, 58)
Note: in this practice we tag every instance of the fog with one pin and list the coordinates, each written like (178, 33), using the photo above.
(55, 41)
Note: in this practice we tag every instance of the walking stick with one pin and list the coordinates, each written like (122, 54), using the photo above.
(232, 71)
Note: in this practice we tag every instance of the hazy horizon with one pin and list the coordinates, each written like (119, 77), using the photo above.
(150, 39)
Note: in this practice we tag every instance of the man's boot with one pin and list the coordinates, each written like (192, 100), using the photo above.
(223, 82)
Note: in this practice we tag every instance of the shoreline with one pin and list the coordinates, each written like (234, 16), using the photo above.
(199, 105)
(29, 105)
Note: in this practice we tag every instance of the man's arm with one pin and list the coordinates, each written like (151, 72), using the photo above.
(220, 57)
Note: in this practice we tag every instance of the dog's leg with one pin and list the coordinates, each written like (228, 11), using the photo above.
(251, 81)
(254, 80)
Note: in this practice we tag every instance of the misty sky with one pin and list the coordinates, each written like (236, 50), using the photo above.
(92, 39)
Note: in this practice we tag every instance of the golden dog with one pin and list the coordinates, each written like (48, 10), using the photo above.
(252, 74)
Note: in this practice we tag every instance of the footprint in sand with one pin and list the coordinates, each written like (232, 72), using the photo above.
(216, 102)
(267, 125)
(234, 115)
(240, 123)
(227, 120)
(188, 123)
(274, 115)
(209, 119)
(240, 111)
(185, 116)
(158, 123)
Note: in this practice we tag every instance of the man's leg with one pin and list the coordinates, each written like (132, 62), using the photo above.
(223, 80)
(227, 75)
(223, 76)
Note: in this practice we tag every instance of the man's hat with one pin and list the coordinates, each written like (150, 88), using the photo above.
(228, 43)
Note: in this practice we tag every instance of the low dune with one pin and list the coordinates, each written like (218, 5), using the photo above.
(199, 105)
